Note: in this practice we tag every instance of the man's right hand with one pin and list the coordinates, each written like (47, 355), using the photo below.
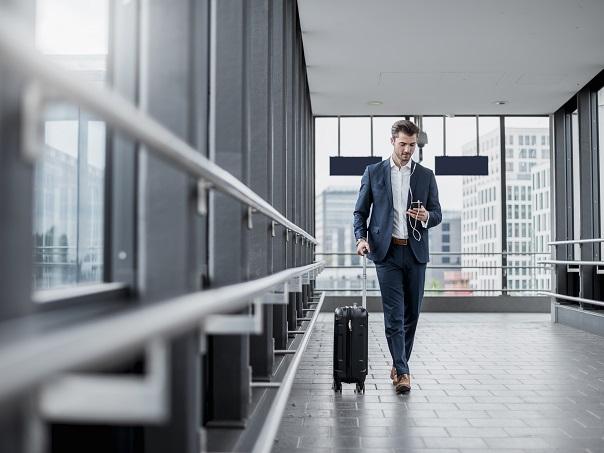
(362, 248)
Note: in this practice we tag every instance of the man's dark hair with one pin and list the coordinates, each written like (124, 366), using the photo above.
(404, 126)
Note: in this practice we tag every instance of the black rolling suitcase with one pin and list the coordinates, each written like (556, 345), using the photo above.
(351, 330)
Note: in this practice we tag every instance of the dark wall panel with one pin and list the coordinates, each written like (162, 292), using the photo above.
(228, 387)
(259, 150)
(278, 169)
(168, 246)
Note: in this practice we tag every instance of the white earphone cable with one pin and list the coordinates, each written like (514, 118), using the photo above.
(416, 234)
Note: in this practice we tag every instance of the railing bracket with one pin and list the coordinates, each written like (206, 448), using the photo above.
(203, 187)
(234, 324)
(106, 398)
(250, 214)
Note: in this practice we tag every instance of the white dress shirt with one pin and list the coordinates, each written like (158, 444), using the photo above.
(400, 179)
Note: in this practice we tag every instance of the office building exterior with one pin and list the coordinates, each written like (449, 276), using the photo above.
(527, 222)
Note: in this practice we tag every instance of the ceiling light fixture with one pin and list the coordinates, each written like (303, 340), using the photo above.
(375, 103)
(500, 102)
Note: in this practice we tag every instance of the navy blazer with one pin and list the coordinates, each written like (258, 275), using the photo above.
(376, 190)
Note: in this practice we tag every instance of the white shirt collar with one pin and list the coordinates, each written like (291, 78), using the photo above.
(407, 165)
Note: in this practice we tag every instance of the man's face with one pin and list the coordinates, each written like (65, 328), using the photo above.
(404, 147)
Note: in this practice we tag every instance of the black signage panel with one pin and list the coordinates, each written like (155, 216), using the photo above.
(461, 165)
(350, 166)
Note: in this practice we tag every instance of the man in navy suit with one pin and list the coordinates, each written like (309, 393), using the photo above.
(397, 239)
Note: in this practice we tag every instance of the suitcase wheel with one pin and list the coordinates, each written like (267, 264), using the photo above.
(360, 387)
(337, 386)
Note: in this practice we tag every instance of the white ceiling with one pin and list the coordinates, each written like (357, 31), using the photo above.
(449, 56)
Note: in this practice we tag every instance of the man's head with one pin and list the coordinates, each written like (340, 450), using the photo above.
(404, 140)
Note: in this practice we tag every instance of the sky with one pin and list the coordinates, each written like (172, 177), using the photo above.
(72, 27)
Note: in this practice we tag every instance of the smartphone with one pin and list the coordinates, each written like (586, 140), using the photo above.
(416, 204)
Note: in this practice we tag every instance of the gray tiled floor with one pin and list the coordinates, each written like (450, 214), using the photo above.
(481, 382)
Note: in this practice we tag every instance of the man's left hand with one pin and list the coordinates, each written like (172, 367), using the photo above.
(420, 214)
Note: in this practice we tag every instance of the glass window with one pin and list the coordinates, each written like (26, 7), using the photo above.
(576, 182)
(69, 177)
(355, 136)
(382, 126)
(336, 197)
(465, 200)
(601, 157)
(461, 135)
(530, 185)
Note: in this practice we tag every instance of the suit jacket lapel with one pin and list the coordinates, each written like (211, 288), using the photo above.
(387, 180)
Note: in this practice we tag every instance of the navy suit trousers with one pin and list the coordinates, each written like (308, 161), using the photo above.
(401, 279)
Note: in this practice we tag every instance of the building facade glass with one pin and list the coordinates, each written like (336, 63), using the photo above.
(528, 197)
(601, 156)
(466, 249)
(69, 177)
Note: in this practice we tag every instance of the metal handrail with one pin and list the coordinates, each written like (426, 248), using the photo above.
(264, 442)
(16, 46)
(442, 253)
(437, 290)
(28, 362)
(459, 266)
(578, 262)
(576, 241)
(580, 300)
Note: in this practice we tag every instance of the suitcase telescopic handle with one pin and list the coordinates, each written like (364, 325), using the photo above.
(364, 298)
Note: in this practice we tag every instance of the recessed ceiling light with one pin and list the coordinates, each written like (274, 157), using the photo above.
(500, 102)
(375, 103)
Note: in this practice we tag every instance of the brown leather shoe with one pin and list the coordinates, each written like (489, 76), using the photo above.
(403, 383)
(393, 375)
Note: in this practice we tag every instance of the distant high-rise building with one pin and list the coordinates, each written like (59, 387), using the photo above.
(527, 155)
(541, 220)
(445, 245)
(68, 221)
(335, 234)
